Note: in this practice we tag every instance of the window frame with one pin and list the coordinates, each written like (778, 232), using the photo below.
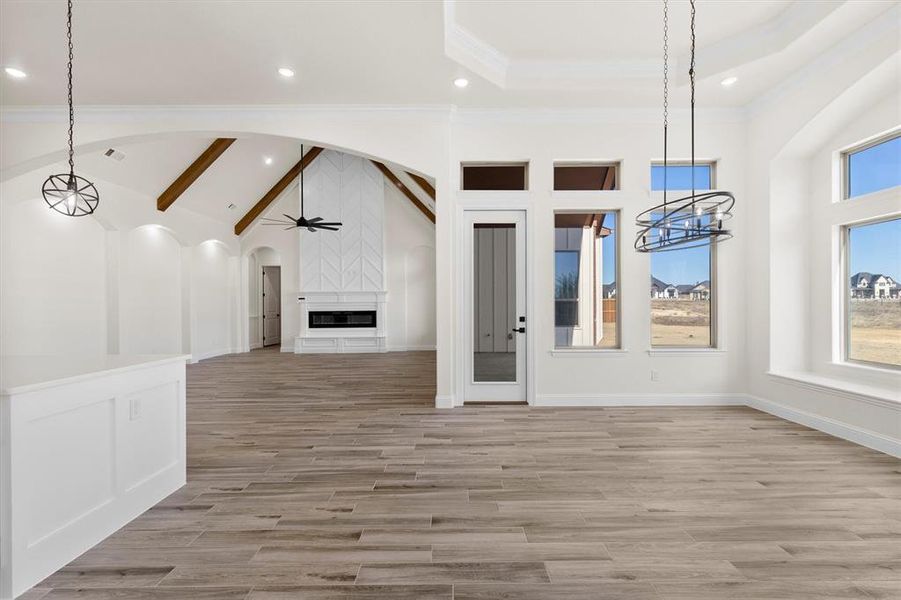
(845, 164)
(845, 290)
(618, 345)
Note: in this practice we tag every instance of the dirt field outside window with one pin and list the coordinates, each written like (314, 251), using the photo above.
(875, 332)
(677, 322)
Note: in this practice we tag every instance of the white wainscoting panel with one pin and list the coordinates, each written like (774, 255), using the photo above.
(84, 452)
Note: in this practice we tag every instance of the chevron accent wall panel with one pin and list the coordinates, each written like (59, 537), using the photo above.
(350, 189)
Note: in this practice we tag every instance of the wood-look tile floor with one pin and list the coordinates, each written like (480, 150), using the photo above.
(333, 477)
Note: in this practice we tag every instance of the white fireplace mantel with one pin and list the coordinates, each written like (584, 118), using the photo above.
(341, 340)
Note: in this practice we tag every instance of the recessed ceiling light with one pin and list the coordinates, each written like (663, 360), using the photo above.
(461, 82)
(286, 72)
(15, 73)
(728, 81)
(267, 160)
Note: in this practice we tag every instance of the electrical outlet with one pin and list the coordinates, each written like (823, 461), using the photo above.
(655, 376)
(134, 409)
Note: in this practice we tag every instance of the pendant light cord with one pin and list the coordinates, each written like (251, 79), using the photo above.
(71, 105)
(301, 180)
(691, 77)
(665, 94)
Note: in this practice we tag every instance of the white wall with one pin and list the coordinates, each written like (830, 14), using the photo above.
(602, 376)
(150, 307)
(129, 279)
(213, 298)
(793, 135)
(409, 274)
(53, 291)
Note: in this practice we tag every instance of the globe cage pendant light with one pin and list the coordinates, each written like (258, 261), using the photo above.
(689, 221)
(67, 193)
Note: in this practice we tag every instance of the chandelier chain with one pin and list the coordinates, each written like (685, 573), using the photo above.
(691, 77)
(301, 180)
(665, 92)
(71, 105)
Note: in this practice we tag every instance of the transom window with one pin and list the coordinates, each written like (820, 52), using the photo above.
(678, 176)
(872, 167)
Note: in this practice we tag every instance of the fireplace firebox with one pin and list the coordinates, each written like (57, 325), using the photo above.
(341, 319)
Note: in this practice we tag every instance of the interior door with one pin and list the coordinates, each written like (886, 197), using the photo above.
(272, 306)
(495, 315)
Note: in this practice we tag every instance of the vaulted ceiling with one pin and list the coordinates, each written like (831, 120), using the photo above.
(231, 185)
(554, 53)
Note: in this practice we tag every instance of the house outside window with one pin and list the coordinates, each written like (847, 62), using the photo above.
(682, 289)
(872, 257)
(586, 309)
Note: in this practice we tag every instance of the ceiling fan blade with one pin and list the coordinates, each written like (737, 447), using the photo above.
(290, 218)
(332, 223)
(314, 220)
(329, 228)
(311, 229)
(279, 223)
(290, 228)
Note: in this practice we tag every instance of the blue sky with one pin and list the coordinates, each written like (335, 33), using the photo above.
(876, 248)
(679, 177)
(681, 266)
(875, 168)
(608, 247)
(691, 265)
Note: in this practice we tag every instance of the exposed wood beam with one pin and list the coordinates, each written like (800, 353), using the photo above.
(406, 191)
(279, 187)
(427, 187)
(609, 178)
(190, 175)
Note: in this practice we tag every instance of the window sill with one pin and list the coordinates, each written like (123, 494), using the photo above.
(685, 351)
(829, 385)
(599, 352)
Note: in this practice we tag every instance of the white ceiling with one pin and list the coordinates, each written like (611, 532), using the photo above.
(577, 30)
(518, 53)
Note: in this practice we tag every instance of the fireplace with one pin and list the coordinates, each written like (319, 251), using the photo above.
(341, 322)
(341, 319)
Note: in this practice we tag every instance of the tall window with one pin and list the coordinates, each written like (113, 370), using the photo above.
(682, 282)
(873, 316)
(873, 167)
(586, 309)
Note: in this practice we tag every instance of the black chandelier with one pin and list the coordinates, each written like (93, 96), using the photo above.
(689, 221)
(302, 222)
(67, 193)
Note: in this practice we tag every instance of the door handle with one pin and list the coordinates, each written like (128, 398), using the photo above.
(519, 330)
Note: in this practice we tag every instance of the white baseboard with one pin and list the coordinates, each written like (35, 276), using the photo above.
(256, 345)
(838, 429)
(639, 400)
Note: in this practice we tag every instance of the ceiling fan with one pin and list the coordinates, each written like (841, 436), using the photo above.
(313, 224)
